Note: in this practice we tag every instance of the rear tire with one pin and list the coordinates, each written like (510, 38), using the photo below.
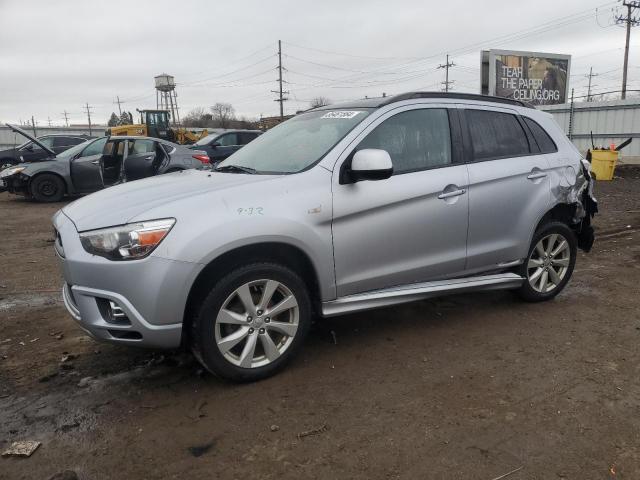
(549, 264)
(252, 323)
(46, 188)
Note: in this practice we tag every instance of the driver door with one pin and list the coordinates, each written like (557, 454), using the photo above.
(86, 168)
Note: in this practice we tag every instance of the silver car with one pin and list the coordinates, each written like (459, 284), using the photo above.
(341, 209)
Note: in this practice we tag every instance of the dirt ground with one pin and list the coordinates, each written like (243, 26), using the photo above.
(469, 387)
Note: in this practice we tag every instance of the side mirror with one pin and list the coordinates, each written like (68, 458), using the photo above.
(214, 144)
(371, 164)
(29, 148)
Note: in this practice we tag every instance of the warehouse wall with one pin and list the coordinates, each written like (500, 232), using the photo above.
(610, 122)
(8, 138)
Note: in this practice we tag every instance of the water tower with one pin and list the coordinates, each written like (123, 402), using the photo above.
(166, 96)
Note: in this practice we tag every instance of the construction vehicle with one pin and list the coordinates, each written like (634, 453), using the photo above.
(155, 123)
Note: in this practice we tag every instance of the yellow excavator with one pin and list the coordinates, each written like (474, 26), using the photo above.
(155, 123)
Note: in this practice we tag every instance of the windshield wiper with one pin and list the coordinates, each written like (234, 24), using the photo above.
(236, 169)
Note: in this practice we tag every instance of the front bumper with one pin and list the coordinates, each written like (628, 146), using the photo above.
(140, 302)
(18, 184)
(110, 317)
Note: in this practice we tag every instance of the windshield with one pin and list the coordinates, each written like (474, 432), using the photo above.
(298, 143)
(207, 139)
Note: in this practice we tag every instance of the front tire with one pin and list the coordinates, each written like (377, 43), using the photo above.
(252, 323)
(46, 188)
(549, 264)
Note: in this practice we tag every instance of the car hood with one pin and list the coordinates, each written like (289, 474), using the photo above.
(32, 138)
(120, 204)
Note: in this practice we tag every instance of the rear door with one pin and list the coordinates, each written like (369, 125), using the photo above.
(62, 143)
(140, 160)
(508, 186)
(86, 169)
(411, 227)
(246, 137)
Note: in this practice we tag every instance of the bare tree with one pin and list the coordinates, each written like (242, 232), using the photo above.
(223, 114)
(319, 102)
(198, 117)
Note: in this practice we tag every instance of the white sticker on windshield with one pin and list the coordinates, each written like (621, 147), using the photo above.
(341, 114)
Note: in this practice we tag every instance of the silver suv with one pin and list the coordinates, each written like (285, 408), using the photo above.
(341, 209)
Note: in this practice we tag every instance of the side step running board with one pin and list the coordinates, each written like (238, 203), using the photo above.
(418, 291)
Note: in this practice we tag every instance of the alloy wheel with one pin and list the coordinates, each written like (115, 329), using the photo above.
(548, 263)
(257, 323)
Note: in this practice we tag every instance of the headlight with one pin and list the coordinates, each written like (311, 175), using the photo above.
(128, 242)
(7, 172)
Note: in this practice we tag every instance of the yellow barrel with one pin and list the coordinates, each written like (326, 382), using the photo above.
(603, 163)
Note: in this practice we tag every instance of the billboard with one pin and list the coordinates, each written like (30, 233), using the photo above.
(536, 78)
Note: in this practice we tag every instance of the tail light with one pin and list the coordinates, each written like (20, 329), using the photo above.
(202, 158)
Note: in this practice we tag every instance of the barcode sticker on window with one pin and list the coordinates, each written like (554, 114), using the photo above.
(341, 114)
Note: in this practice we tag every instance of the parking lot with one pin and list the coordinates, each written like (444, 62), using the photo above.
(473, 386)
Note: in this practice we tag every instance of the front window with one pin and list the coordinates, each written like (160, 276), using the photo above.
(93, 148)
(298, 143)
(157, 119)
(206, 140)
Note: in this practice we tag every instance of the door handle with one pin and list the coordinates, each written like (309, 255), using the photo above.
(96, 162)
(148, 158)
(454, 193)
(534, 176)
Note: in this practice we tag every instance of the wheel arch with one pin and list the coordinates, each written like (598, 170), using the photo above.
(33, 177)
(281, 253)
(560, 212)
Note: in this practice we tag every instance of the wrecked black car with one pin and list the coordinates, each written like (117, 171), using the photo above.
(97, 164)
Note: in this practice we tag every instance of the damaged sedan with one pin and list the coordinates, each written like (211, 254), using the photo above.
(97, 164)
(341, 209)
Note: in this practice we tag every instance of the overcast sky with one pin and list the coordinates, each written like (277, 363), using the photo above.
(57, 55)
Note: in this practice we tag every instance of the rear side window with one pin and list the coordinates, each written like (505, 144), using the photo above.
(415, 140)
(66, 141)
(496, 135)
(541, 137)
(142, 146)
(246, 137)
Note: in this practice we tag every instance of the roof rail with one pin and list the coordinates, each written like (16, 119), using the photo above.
(461, 96)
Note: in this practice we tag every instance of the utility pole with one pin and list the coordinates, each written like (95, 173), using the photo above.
(118, 102)
(446, 67)
(590, 76)
(631, 22)
(33, 124)
(88, 109)
(66, 118)
(571, 112)
(49, 121)
(281, 99)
